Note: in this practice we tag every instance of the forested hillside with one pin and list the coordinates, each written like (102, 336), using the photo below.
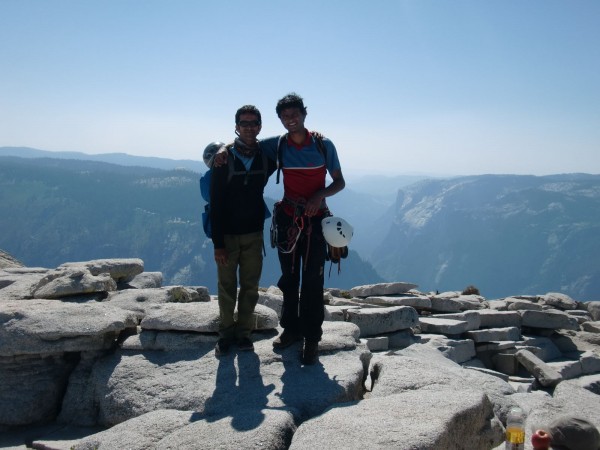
(506, 234)
(57, 210)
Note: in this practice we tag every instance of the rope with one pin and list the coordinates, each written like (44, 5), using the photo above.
(294, 232)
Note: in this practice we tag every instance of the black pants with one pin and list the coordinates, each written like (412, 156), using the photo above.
(302, 279)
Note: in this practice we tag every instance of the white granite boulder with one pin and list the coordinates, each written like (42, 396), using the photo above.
(382, 289)
(491, 318)
(139, 433)
(141, 300)
(495, 334)
(545, 374)
(72, 281)
(550, 319)
(421, 368)
(594, 309)
(520, 304)
(41, 342)
(471, 302)
(417, 302)
(35, 327)
(374, 321)
(442, 304)
(473, 318)
(339, 336)
(558, 300)
(457, 350)
(8, 261)
(201, 317)
(19, 283)
(172, 429)
(119, 269)
(144, 280)
(546, 349)
(272, 300)
(268, 429)
(438, 419)
(443, 326)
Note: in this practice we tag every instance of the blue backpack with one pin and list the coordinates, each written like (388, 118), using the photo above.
(205, 186)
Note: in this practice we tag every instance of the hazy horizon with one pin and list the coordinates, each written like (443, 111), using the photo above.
(349, 174)
(401, 87)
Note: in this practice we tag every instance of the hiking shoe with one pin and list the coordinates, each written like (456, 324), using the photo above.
(285, 339)
(310, 355)
(245, 344)
(222, 347)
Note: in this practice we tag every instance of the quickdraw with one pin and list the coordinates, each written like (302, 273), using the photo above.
(300, 224)
(293, 233)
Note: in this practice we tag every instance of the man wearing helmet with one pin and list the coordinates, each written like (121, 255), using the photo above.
(237, 217)
(298, 217)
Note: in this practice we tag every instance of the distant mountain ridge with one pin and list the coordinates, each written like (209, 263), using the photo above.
(122, 159)
(57, 210)
(374, 194)
(503, 233)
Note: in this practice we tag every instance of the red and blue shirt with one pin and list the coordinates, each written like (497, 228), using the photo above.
(304, 167)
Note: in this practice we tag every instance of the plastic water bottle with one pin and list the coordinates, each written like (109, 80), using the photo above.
(515, 429)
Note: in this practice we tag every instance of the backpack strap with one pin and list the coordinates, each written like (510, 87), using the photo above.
(265, 165)
(230, 163)
(282, 138)
(321, 147)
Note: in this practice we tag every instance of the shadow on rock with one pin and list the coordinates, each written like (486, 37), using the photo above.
(240, 397)
(307, 389)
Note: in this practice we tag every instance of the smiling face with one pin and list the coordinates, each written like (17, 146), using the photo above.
(248, 127)
(293, 119)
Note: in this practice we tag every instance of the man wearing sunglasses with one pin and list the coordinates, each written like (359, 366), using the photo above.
(237, 218)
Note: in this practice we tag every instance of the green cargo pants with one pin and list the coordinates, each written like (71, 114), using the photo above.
(244, 252)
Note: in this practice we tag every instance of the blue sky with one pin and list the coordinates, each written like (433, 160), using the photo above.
(420, 86)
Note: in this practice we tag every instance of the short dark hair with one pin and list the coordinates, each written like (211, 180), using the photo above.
(292, 100)
(247, 109)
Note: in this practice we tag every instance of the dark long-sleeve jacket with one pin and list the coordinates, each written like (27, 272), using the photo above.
(236, 197)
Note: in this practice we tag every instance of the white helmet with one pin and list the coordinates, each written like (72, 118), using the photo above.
(337, 231)
(210, 151)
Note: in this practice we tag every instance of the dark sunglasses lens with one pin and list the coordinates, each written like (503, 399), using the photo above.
(249, 123)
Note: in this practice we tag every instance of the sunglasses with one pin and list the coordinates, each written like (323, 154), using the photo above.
(248, 123)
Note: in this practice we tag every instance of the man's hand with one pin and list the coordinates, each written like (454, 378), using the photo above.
(315, 202)
(221, 256)
(220, 157)
(313, 205)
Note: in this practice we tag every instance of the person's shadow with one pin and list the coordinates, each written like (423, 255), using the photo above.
(243, 400)
(252, 393)
(225, 393)
(307, 389)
